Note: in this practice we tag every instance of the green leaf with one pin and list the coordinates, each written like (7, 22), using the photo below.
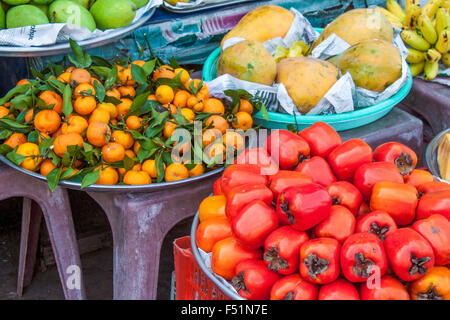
(37, 74)
(112, 100)
(53, 178)
(15, 158)
(149, 66)
(15, 91)
(102, 62)
(56, 84)
(138, 74)
(67, 101)
(22, 101)
(90, 178)
(11, 124)
(5, 134)
(137, 104)
(102, 71)
(112, 77)
(45, 145)
(174, 63)
(100, 91)
(159, 164)
(4, 149)
(33, 137)
(128, 163)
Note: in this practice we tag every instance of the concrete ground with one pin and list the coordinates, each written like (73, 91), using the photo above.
(97, 265)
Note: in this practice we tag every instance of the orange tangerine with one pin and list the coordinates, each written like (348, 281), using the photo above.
(47, 121)
(212, 207)
(84, 89)
(100, 115)
(79, 76)
(149, 166)
(64, 77)
(71, 68)
(134, 177)
(124, 138)
(64, 140)
(246, 106)
(130, 154)
(188, 114)
(133, 122)
(31, 152)
(213, 105)
(210, 135)
(136, 147)
(127, 91)
(203, 93)
(176, 172)
(234, 140)
(29, 115)
(113, 152)
(198, 170)
(84, 105)
(110, 107)
(163, 71)
(215, 150)
(180, 98)
(218, 122)
(242, 120)
(169, 128)
(3, 111)
(114, 92)
(125, 76)
(139, 63)
(164, 94)
(97, 133)
(46, 167)
(108, 176)
(151, 97)
(95, 80)
(184, 74)
(75, 123)
(22, 82)
(123, 108)
(16, 139)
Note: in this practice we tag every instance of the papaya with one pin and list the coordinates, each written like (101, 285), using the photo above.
(306, 80)
(262, 24)
(359, 25)
(373, 64)
(248, 60)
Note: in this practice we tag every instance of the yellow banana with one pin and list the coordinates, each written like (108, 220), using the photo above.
(395, 21)
(431, 7)
(445, 4)
(394, 8)
(412, 15)
(446, 59)
(430, 70)
(433, 55)
(417, 68)
(426, 27)
(414, 40)
(442, 20)
(442, 45)
(409, 4)
(415, 56)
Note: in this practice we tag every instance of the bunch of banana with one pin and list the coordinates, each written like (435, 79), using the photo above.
(426, 31)
(297, 49)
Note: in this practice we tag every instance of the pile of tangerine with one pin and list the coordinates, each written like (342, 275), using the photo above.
(94, 122)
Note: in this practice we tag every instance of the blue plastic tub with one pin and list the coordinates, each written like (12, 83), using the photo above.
(340, 122)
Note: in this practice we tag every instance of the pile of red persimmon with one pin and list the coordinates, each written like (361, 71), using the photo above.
(311, 217)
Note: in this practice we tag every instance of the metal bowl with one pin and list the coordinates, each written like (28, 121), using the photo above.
(431, 155)
(117, 188)
(233, 295)
(63, 48)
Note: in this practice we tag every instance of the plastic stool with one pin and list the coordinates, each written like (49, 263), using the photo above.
(40, 202)
(139, 223)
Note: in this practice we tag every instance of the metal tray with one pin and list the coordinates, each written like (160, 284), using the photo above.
(431, 155)
(233, 295)
(117, 188)
(202, 7)
(63, 48)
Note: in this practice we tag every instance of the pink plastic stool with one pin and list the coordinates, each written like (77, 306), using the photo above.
(40, 202)
(139, 223)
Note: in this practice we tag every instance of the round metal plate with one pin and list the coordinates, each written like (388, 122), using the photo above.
(63, 48)
(117, 188)
(431, 155)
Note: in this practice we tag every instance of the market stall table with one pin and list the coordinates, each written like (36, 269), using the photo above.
(430, 101)
(55, 208)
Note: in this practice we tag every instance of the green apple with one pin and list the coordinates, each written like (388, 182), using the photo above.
(112, 14)
(25, 15)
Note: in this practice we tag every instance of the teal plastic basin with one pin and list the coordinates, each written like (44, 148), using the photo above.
(340, 122)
